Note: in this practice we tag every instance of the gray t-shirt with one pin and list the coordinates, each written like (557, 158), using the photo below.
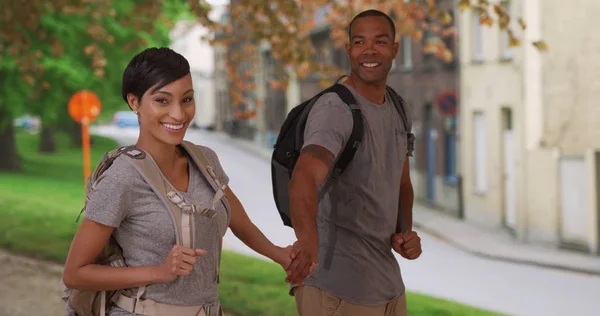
(145, 231)
(364, 270)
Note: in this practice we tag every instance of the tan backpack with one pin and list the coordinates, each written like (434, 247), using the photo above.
(98, 303)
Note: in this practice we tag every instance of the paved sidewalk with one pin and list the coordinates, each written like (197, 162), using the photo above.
(499, 245)
(493, 244)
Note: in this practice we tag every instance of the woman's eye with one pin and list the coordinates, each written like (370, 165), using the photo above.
(162, 101)
(186, 100)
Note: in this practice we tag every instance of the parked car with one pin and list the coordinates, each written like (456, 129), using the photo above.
(28, 123)
(126, 119)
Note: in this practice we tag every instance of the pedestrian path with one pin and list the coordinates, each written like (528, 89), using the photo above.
(492, 244)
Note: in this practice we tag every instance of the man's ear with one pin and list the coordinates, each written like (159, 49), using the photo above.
(347, 49)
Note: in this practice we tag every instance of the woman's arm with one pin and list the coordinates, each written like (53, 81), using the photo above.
(80, 272)
(243, 228)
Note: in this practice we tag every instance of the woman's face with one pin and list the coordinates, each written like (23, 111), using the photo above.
(166, 113)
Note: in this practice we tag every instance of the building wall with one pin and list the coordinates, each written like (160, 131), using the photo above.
(570, 77)
(222, 98)
(551, 100)
(490, 83)
(204, 94)
(569, 125)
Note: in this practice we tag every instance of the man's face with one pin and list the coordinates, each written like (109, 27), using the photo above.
(372, 49)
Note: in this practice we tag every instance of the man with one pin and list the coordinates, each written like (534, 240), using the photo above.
(364, 276)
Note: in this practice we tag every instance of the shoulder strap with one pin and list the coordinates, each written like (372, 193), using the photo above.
(357, 130)
(207, 171)
(179, 212)
(148, 169)
(209, 174)
(400, 106)
(343, 161)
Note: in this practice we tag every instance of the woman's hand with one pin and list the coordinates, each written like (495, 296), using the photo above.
(282, 256)
(179, 262)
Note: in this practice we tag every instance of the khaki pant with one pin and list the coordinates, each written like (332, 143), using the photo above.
(312, 301)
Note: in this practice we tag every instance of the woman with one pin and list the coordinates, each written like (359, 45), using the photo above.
(158, 87)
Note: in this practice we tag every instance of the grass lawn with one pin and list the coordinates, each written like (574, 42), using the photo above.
(38, 208)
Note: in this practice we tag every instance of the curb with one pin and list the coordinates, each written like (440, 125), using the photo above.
(485, 255)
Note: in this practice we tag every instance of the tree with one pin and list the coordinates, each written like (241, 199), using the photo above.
(51, 49)
(286, 25)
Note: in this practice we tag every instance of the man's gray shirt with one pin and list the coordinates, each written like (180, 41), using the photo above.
(364, 270)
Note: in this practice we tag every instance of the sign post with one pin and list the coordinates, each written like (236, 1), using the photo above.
(84, 108)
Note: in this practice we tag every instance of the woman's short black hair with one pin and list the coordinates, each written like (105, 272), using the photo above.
(153, 66)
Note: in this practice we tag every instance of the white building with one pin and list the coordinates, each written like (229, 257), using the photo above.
(529, 123)
(187, 39)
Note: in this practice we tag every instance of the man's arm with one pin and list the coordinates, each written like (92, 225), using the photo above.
(310, 172)
(406, 197)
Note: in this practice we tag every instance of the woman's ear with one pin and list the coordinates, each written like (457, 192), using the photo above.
(133, 102)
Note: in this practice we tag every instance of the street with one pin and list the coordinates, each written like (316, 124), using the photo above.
(441, 271)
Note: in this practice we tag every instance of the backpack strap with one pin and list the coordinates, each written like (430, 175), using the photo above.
(342, 162)
(410, 141)
(180, 212)
(209, 174)
(401, 107)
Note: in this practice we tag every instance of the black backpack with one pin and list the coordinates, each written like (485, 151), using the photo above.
(291, 138)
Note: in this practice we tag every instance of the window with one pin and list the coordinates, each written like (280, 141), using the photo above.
(506, 51)
(479, 130)
(477, 38)
(450, 150)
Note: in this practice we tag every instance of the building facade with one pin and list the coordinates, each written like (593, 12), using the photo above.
(529, 124)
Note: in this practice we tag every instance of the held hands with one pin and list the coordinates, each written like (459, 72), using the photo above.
(408, 245)
(179, 262)
(304, 258)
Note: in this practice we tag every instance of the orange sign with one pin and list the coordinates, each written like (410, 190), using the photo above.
(84, 107)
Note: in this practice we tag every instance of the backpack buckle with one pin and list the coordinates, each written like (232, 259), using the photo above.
(174, 197)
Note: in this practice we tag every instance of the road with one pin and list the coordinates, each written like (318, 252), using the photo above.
(441, 271)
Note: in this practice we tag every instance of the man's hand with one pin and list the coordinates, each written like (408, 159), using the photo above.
(408, 245)
(304, 256)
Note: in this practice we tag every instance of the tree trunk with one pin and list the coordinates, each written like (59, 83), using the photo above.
(47, 140)
(75, 133)
(9, 157)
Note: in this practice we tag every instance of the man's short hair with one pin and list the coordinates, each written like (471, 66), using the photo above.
(372, 12)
